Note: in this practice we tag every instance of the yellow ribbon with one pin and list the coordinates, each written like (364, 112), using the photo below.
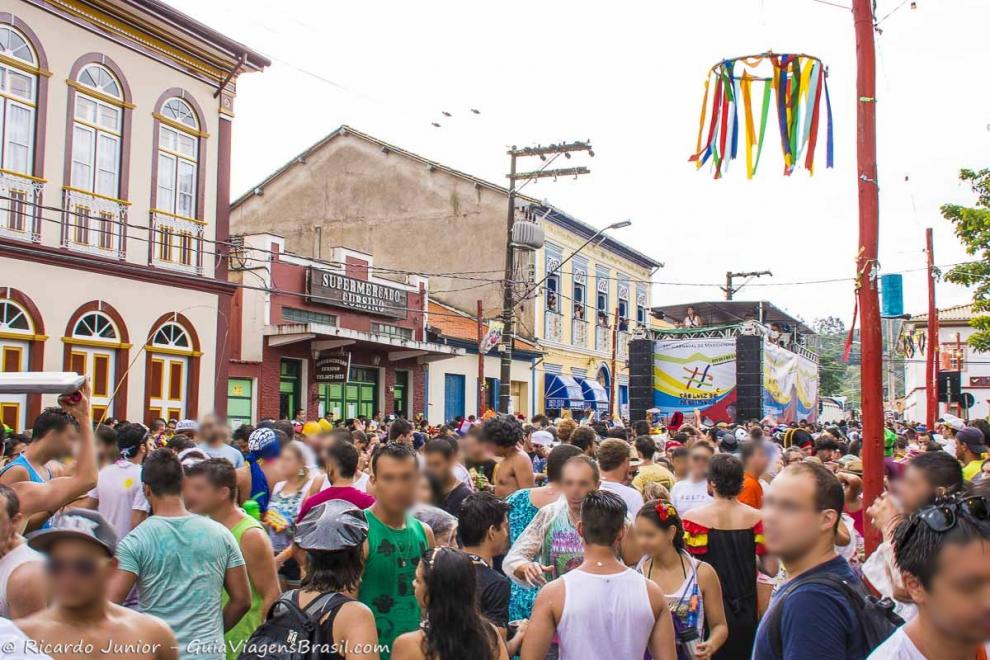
(701, 126)
(750, 132)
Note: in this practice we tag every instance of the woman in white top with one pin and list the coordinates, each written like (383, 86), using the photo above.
(692, 588)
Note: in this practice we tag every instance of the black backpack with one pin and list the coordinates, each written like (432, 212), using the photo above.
(291, 633)
(876, 616)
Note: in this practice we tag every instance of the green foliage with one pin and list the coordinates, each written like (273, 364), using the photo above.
(972, 226)
(836, 378)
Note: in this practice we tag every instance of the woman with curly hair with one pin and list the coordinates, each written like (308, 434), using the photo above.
(453, 628)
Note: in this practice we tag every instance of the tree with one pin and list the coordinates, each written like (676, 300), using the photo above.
(972, 226)
(833, 373)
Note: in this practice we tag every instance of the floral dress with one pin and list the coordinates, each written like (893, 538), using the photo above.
(521, 512)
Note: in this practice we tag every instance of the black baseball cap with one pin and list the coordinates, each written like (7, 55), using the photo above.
(82, 524)
(973, 438)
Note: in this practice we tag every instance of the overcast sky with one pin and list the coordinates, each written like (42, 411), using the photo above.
(629, 76)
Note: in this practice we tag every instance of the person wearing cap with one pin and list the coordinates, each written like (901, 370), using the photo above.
(22, 577)
(210, 489)
(971, 449)
(331, 543)
(183, 563)
(57, 433)
(188, 428)
(263, 470)
(215, 438)
(82, 621)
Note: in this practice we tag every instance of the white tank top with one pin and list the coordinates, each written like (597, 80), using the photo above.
(22, 554)
(605, 616)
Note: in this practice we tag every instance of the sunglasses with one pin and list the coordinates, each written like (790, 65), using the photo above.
(943, 516)
(80, 567)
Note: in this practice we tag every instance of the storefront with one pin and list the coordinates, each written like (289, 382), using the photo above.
(335, 340)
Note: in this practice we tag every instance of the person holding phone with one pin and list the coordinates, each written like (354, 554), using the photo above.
(56, 434)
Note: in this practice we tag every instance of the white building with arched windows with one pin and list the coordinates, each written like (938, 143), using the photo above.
(115, 135)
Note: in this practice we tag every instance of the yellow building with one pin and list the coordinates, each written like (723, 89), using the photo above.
(591, 303)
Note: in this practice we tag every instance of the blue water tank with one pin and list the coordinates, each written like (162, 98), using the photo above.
(892, 295)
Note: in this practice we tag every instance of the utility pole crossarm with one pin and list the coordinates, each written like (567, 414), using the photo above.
(729, 290)
(542, 174)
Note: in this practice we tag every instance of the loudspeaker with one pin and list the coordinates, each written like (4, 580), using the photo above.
(749, 378)
(640, 378)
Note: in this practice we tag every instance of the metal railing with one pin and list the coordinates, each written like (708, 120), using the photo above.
(20, 196)
(177, 243)
(94, 224)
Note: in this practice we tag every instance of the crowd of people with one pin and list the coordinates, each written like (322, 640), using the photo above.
(490, 538)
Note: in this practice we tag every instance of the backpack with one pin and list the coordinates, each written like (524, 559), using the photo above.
(876, 616)
(291, 633)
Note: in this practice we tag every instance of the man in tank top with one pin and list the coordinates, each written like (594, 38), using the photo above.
(602, 608)
(209, 489)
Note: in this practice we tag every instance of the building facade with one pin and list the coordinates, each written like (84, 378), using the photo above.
(954, 358)
(114, 189)
(453, 385)
(419, 215)
(588, 310)
(325, 337)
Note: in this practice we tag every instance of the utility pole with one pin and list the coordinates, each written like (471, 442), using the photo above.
(931, 355)
(871, 369)
(613, 386)
(481, 362)
(729, 290)
(508, 304)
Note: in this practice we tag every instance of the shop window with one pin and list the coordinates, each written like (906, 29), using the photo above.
(391, 330)
(294, 315)
(239, 401)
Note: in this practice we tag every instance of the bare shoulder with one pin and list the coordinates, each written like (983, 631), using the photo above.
(658, 601)
(408, 646)
(256, 539)
(13, 475)
(702, 515)
(750, 515)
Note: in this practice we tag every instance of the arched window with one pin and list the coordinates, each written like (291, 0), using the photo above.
(172, 365)
(96, 132)
(173, 336)
(14, 319)
(93, 345)
(21, 349)
(178, 158)
(95, 327)
(18, 101)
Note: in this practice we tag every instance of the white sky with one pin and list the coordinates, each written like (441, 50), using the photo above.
(629, 77)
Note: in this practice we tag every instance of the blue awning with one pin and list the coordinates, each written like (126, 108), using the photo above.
(562, 391)
(595, 396)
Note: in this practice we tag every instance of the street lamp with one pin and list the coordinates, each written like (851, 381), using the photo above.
(621, 224)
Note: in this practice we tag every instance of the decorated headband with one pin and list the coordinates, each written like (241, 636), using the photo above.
(665, 511)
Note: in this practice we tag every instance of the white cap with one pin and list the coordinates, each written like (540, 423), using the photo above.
(542, 438)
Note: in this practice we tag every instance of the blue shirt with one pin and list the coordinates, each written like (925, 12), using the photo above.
(223, 451)
(180, 563)
(33, 476)
(817, 623)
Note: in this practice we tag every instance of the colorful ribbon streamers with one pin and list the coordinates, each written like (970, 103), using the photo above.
(797, 83)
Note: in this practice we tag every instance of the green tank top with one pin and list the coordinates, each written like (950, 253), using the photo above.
(236, 637)
(387, 586)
